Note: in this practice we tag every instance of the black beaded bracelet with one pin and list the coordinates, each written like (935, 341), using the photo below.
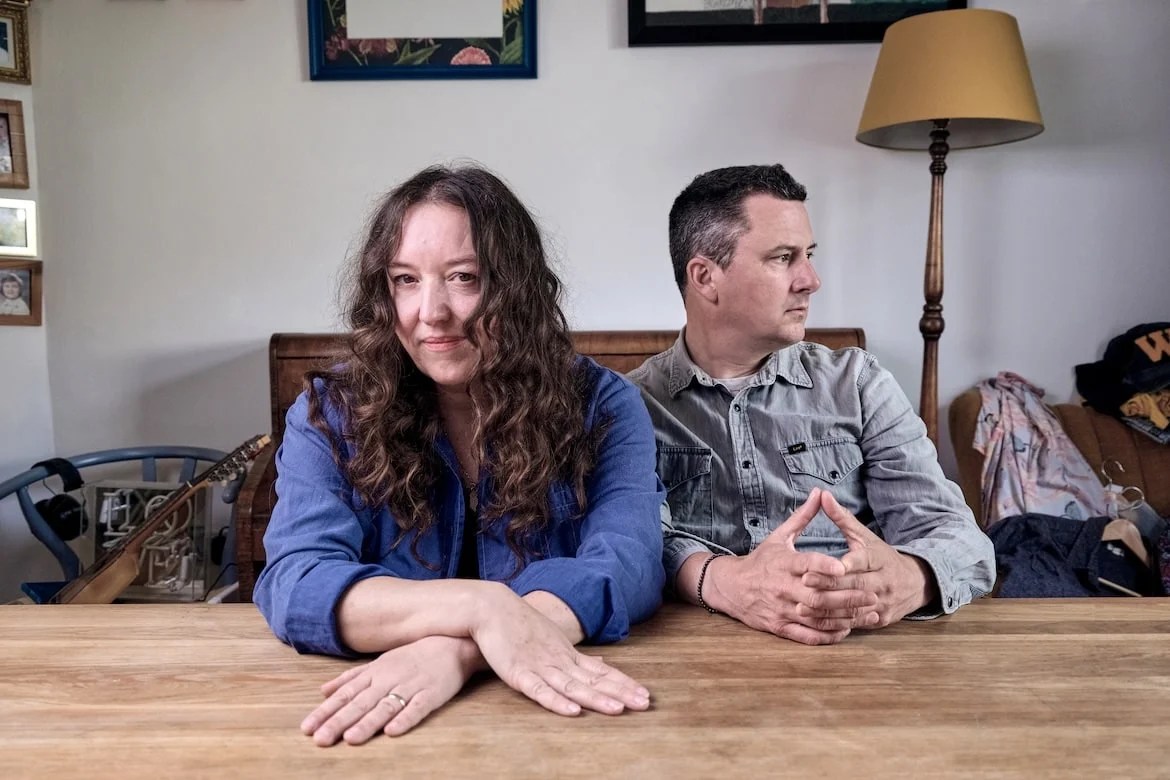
(699, 587)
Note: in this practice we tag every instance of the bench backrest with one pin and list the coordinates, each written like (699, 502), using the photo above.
(290, 355)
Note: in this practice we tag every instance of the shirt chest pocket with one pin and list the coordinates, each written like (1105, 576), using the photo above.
(686, 474)
(825, 464)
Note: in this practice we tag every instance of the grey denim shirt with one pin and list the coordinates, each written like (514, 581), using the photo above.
(736, 466)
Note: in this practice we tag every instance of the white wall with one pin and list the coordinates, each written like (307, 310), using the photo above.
(26, 421)
(198, 193)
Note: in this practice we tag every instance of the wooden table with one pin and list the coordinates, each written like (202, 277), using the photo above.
(1077, 688)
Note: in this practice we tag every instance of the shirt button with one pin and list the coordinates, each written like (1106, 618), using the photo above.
(747, 464)
(736, 407)
(753, 523)
(834, 474)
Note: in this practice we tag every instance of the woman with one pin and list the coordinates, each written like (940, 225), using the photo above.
(465, 491)
(12, 295)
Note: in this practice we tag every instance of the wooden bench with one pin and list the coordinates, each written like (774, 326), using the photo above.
(290, 355)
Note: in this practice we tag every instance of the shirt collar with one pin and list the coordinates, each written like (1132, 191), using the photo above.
(784, 363)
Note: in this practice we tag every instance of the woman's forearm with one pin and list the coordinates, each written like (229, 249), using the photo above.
(558, 612)
(382, 613)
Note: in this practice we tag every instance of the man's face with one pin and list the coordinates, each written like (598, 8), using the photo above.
(764, 292)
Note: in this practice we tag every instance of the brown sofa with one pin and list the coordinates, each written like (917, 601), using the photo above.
(291, 354)
(1100, 438)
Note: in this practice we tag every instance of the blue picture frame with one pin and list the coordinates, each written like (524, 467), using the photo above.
(334, 56)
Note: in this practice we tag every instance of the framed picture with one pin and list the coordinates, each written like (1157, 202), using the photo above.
(435, 39)
(13, 157)
(14, 44)
(20, 292)
(692, 22)
(18, 227)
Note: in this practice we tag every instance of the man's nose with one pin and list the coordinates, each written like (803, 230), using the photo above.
(808, 280)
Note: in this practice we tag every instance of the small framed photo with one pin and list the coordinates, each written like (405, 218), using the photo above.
(14, 44)
(18, 227)
(13, 155)
(20, 292)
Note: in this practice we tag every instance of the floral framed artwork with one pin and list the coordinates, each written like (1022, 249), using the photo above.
(696, 22)
(435, 39)
(18, 227)
(14, 44)
(13, 156)
(20, 292)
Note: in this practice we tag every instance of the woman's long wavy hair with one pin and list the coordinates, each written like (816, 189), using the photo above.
(530, 393)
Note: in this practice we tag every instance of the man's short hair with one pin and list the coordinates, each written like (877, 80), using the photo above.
(707, 217)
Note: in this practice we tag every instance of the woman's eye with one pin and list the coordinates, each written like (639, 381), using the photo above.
(401, 279)
(465, 277)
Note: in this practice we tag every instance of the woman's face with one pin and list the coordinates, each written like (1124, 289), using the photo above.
(435, 284)
(10, 289)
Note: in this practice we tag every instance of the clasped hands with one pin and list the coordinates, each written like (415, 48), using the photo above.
(815, 598)
(528, 651)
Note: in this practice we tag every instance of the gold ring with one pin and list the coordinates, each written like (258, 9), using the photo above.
(401, 701)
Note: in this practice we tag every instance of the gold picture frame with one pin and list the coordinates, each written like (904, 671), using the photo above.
(20, 292)
(13, 154)
(14, 65)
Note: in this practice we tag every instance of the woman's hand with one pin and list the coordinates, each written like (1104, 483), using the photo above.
(394, 692)
(531, 654)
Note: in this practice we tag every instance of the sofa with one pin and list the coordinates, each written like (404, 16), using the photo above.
(291, 354)
(1099, 437)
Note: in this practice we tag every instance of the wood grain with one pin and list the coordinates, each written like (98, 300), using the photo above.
(1003, 688)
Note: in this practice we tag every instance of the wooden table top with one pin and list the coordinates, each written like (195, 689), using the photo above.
(1002, 688)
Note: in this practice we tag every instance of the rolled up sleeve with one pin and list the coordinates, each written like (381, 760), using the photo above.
(919, 511)
(616, 577)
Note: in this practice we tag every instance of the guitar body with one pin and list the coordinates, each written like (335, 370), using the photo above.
(118, 568)
(103, 587)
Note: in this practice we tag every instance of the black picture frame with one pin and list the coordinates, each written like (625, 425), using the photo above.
(862, 21)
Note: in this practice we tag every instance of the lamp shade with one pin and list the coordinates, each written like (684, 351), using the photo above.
(967, 66)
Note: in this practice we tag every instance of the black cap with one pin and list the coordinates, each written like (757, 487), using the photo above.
(1137, 361)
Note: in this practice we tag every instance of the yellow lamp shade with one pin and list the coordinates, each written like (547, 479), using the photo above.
(966, 66)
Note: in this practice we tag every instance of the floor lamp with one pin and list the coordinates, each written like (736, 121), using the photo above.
(947, 80)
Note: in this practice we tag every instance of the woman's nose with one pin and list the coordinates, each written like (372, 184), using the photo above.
(435, 305)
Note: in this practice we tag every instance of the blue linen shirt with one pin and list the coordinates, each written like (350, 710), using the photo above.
(737, 465)
(605, 565)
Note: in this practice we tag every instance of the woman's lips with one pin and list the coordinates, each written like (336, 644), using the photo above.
(443, 344)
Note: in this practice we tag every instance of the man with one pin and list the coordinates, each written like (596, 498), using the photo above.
(805, 497)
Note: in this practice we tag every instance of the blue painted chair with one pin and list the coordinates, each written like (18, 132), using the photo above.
(41, 592)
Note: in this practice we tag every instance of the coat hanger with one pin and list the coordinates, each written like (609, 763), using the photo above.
(1120, 528)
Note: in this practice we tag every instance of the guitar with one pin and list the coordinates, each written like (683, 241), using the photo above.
(119, 566)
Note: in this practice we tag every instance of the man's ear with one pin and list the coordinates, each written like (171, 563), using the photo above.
(702, 278)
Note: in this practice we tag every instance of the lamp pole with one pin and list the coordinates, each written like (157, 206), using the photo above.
(931, 324)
